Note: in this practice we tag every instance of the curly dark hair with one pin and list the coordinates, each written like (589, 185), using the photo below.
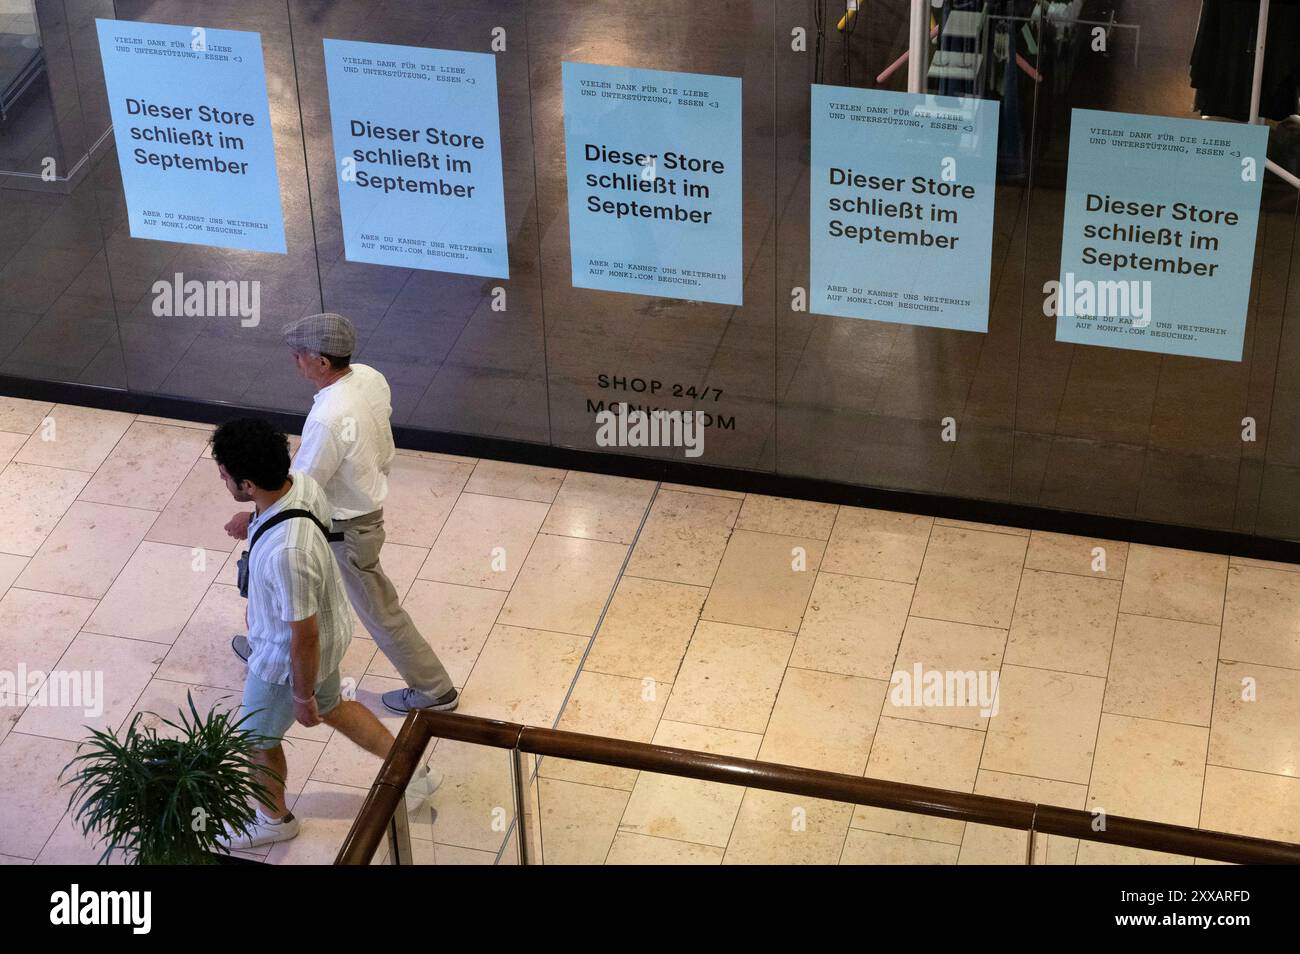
(252, 448)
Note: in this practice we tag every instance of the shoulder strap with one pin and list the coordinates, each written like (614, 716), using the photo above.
(289, 515)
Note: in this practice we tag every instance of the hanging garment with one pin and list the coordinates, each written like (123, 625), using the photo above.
(1223, 59)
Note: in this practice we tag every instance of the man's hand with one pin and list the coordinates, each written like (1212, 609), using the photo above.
(305, 712)
(238, 525)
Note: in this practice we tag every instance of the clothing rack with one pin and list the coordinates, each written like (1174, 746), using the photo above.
(1256, 84)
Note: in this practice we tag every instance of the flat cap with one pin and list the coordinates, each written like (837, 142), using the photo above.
(327, 334)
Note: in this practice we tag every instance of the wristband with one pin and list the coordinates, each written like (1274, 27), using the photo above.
(308, 699)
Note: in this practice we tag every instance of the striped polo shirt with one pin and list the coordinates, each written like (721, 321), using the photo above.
(292, 575)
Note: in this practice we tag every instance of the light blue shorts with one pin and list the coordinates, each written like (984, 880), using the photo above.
(269, 707)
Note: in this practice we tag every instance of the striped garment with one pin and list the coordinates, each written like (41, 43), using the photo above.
(292, 575)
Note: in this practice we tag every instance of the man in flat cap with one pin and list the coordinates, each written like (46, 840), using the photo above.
(347, 447)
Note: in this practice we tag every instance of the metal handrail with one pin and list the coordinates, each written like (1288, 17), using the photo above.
(386, 796)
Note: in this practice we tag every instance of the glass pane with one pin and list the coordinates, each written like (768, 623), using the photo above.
(659, 351)
(470, 818)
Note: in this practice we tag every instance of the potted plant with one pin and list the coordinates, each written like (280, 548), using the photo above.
(164, 799)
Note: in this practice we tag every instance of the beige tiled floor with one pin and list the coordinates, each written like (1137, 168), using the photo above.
(1133, 679)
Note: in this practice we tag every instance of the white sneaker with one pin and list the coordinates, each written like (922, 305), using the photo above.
(423, 785)
(262, 831)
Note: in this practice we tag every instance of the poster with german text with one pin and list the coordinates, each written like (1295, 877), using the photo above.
(1159, 234)
(417, 143)
(193, 134)
(901, 217)
(654, 178)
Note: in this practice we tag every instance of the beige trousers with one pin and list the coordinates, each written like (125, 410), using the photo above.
(374, 598)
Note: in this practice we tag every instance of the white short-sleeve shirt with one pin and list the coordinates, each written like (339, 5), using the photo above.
(347, 442)
(292, 575)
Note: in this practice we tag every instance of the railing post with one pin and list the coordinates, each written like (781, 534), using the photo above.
(399, 836)
(519, 775)
(1029, 856)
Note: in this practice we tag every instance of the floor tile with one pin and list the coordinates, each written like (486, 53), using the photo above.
(1261, 618)
(10, 444)
(852, 625)
(988, 527)
(421, 493)
(764, 581)
(68, 846)
(164, 701)
(793, 518)
(937, 756)
(773, 828)
(1046, 724)
(522, 676)
(75, 438)
(631, 849)
(36, 628)
(967, 658)
(1175, 584)
(22, 416)
(202, 652)
(877, 544)
(1100, 853)
(326, 812)
(11, 567)
(578, 822)
(484, 542)
(87, 549)
(175, 422)
(1251, 803)
(824, 721)
(32, 800)
(615, 707)
(599, 507)
(12, 705)
(970, 576)
(1255, 722)
(1172, 757)
(1265, 564)
(1064, 622)
(499, 478)
(146, 466)
(154, 595)
(34, 501)
(1163, 669)
(92, 686)
(876, 848)
(198, 512)
(683, 538)
(1082, 556)
(730, 677)
(708, 491)
(564, 584)
(646, 630)
(686, 809)
(454, 620)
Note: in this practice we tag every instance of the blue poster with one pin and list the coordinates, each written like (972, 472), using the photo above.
(417, 143)
(1159, 236)
(654, 181)
(193, 134)
(901, 218)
